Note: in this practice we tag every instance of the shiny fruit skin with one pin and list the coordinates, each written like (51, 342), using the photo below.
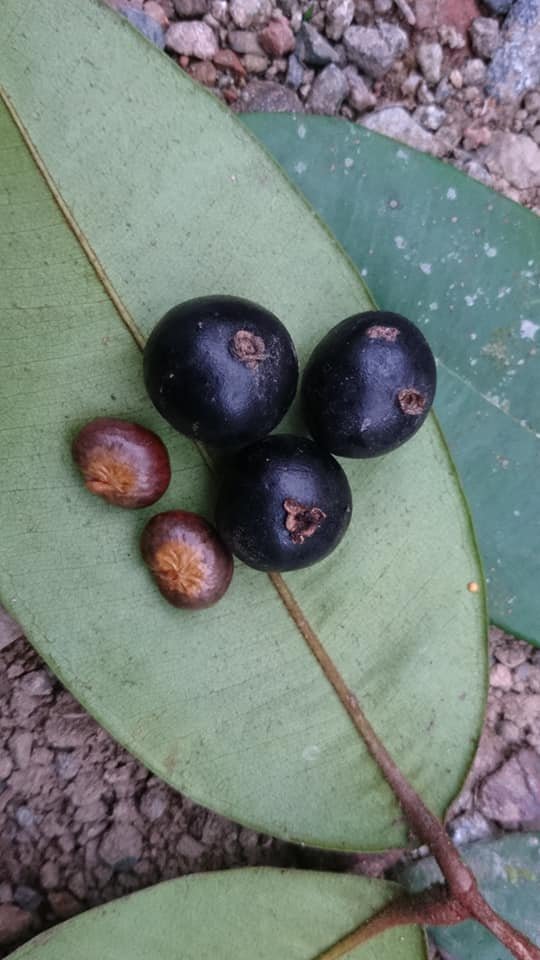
(122, 462)
(284, 504)
(190, 564)
(368, 385)
(221, 370)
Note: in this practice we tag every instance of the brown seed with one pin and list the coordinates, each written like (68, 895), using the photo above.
(190, 564)
(122, 462)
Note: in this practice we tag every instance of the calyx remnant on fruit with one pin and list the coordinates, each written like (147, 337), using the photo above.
(248, 348)
(302, 521)
(382, 333)
(412, 401)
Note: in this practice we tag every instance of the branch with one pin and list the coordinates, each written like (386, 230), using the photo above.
(464, 897)
(431, 908)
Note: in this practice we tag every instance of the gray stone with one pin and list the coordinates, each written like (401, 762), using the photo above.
(532, 102)
(469, 827)
(153, 804)
(511, 795)
(499, 6)
(189, 847)
(359, 96)
(6, 765)
(312, 48)
(9, 629)
(328, 91)
(255, 63)
(430, 58)
(516, 157)
(186, 9)
(474, 72)
(243, 41)
(67, 764)
(27, 898)
(431, 117)
(375, 49)
(511, 652)
(121, 846)
(6, 892)
(397, 123)
(444, 91)
(21, 748)
(485, 36)
(14, 923)
(450, 37)
(339, 16)
(37, 683)
(295, 72)
(250, 13)
(145, 24)
(268, 97)
(25, 818)
(49, 875)
(515, 67)
(501, 677)
(192, 39)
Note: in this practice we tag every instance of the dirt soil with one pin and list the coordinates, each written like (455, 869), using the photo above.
(81, 822)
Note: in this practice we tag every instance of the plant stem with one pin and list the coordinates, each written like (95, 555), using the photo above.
(464, 898)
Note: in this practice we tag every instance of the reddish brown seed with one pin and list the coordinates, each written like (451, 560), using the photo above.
(122, 462)
(191, 565)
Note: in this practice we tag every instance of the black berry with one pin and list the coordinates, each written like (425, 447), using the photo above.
(284, 504)
(369, 385)
(221, 370)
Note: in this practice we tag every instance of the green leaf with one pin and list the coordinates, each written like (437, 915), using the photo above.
(237, 915)
(451, 254)
(508, 873)
(227, 704)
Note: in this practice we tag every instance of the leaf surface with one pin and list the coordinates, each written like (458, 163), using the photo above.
(463, 262)
(236, 915)
(175, 200)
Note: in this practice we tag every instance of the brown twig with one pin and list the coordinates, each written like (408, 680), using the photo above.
(463, 898)
(432, 908)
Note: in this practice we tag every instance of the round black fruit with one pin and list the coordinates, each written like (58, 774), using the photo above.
(284, 504)
(368, 385)
(221, 370)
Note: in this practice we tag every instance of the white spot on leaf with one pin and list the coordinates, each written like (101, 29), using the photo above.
(425, 267)
(451, 193)
(528, 329)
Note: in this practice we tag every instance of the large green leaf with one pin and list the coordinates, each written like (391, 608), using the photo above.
(227, 704)
(508, 873)
(455, 256)
(238, 915)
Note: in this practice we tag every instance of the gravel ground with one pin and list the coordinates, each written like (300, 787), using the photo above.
(81, 822)
(456, 78)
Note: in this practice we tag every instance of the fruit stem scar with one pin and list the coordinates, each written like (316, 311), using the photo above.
(105, 473)
(248, 348)
(411, 401)
(179, 567)
(302, 521)
(382, 333)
